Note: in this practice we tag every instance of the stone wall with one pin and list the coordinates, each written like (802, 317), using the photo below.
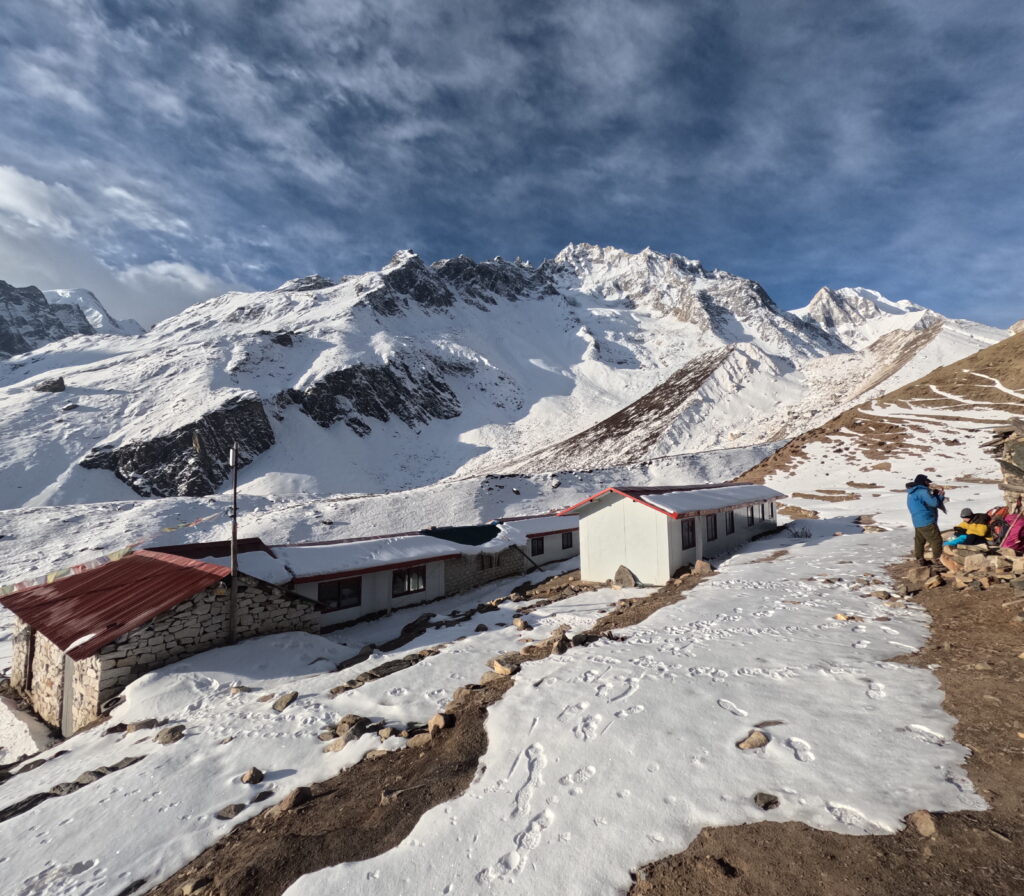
(46, 685)
(195, 625)
(464, 572)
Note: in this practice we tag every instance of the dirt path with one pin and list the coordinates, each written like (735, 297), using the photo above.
(976, 648)
(372, 806)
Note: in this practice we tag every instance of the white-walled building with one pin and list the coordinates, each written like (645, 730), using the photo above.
(654, 532)
(358, 577)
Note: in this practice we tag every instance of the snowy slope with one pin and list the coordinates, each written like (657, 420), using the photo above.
(408, 375)
(95, 313)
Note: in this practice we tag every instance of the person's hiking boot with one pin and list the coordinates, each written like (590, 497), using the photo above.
(923, 562)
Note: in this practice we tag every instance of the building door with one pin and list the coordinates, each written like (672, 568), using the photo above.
(67, 698)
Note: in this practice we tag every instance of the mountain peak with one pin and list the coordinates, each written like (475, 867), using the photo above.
(859, 316)
(305, 284)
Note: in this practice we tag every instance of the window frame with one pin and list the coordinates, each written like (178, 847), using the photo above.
(335, 603)
(487, 561)
(536, 545)
(567, 541)
(730, 522)
(761, 505)
(688, 533)
(750, 514)
(406, 573)
(711, 526)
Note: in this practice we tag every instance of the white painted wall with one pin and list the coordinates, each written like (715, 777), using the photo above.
(376, 596)
(553, 550)
(615, 531)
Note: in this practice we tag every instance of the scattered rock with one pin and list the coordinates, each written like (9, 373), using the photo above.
(766, 801)
(882, 595)
(520, 623)
(420, 740)
(489, 676)
(230, 811)
(296, 798)
(261, 796)
(225, 740)
(52, 385)
(481, 628)
(170, 735)
(376, 754)
(284, 701)
(935, 581)
(139, 726)
(439, 721)
(386, 732)
(504, 665)
(922, 822)
(702, 568)
(252, 776)
(196, 885)
(240, 689)
(327, 735)
(755, 740)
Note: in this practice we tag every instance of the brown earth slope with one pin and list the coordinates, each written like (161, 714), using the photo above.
(883, 427)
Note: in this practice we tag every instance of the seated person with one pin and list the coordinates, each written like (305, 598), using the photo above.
(960, 530)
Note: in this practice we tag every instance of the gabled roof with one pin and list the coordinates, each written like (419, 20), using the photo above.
(84, 612)
(688, 500)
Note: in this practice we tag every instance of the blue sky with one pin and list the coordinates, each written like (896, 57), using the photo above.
(163, 152)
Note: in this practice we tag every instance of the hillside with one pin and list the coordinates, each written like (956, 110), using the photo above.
(593, 358)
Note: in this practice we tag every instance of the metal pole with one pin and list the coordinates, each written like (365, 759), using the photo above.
(233, 596)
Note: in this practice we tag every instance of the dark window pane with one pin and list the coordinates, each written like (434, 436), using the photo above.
(408, 581)
(566, 540)
(689, 533)
(712, 523)
(536, 546)
(730, 522)
(341, 594)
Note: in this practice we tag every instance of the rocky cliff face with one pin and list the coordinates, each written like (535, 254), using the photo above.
(28, 321)
(169, 464)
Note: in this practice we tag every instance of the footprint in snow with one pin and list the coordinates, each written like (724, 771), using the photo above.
(860, 645)
(925, 734)
(801, 749)
(854, 819)
(876, 690)
(729, 706)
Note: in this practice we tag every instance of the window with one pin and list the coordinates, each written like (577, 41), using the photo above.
(771, 510)
(341, 594)
(762, 511)
(409, 581)
(730, 522)
(536, 546)
(566, 540)
(750, 515)
(487, 561)
(712, 523)
(689, 533)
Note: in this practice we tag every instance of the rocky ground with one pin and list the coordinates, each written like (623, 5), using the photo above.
(976, 651)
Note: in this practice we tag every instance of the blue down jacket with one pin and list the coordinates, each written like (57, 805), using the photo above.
(923, 505)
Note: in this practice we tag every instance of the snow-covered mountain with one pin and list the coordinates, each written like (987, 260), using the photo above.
(95, 313)
(416, 373)
(860, 317)
(28, 321)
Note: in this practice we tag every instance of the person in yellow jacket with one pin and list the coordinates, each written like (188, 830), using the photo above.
(972, 529)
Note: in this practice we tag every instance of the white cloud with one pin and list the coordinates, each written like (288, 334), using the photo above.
(27, 201)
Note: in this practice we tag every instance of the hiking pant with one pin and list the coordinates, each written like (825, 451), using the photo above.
(927, 535)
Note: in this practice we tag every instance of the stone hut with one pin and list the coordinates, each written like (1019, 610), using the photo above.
(81, 639)
(1008, 447)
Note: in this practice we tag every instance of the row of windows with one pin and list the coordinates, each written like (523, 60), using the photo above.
(345, 594)
(537, 544)
(689, 526)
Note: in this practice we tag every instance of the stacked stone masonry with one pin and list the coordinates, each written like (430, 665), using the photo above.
(191, 627)
(468, 571)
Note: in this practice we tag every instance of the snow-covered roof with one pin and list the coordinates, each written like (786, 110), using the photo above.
(257, 564)
(308, 562)
(311, 561)
(689, 500)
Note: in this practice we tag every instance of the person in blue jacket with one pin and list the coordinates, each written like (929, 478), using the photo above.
(924, 501)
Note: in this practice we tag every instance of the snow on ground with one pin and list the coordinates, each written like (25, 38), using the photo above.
(616, 754)
(159, 813)
(20, 734)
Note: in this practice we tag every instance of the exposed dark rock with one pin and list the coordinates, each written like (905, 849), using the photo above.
(28, 321)
(168, 465)
(413, 389)
(52, 385)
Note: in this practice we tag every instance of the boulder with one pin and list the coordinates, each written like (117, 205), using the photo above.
(755, 740)
(439, 721)
(298, 797)
(922, 822)
(974, 562)
(284, 701)
(52, 385)
(420, 740)
(520, 623)
(229, 811)
(252, 776)
(170, 735)
(766, 801)
(702, 568)
(624, 578)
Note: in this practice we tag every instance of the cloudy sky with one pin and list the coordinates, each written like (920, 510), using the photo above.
(162, 151)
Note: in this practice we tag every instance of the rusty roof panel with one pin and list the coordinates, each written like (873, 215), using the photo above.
(84, 612)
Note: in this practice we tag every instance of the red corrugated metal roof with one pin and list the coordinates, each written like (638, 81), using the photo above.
(87, 611)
